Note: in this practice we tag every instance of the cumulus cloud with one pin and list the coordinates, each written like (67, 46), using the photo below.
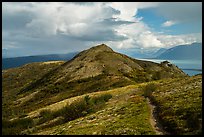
(140, 35)
(61, 27)
(173, 40)
(129, 9)
(68, 18)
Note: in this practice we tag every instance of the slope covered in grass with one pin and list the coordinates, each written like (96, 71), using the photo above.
(125, 113)
(13, 80)
(33, 95)
(179, 104)
(98, 68)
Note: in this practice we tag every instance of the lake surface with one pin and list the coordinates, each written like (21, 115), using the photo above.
(190, 67)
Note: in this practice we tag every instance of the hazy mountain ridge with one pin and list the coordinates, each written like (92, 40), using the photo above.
(193, 51)
(190, 52)
(158, 52)
(19, 61)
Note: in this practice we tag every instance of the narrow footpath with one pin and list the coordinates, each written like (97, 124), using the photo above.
(154, 120)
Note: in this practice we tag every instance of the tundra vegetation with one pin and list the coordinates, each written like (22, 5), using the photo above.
(100, 91)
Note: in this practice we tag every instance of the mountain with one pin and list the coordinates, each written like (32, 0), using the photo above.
(136, 54)
(147, 54)
(182, 52)
(19, 61)
(100, 68)
(45, 94)
(158, 52)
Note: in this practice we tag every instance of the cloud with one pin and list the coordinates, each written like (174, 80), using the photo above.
(173, 40)
(140, 35)
(129, 9)
(43, 28)
(37, 28)
(168, 23)
(50, 18)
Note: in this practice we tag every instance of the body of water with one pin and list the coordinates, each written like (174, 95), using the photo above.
(190, 67)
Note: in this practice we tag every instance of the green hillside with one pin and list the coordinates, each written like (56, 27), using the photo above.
(127, 112)
(99, 91)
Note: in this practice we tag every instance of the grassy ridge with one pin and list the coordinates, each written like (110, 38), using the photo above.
(125, 113)
(178, 101)
(31, 88)
(70, 112)
(179, 104)
(13, 80)
(96, 69)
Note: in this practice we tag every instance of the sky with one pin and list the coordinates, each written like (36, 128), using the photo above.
(37, 28)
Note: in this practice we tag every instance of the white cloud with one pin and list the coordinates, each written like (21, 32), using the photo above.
(141, 36)
(174, 40)
(149, 40)
(129, 9)
(168, 23)
(58, 26)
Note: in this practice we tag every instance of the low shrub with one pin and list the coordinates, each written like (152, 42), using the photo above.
(16, 126)
(45, 116)
(101, 99)
(72, 111)
(157, 75)
(87, 98)
(148, 89)
(82, 107)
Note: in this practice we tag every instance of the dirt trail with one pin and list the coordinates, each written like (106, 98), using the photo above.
(154, 120)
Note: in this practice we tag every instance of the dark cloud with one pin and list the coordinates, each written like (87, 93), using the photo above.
(115, 22)
(16, 21)
(104, 31)
(107, 35)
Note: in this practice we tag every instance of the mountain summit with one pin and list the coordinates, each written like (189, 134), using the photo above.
(46, 94)
(102, 47)
(96, 69)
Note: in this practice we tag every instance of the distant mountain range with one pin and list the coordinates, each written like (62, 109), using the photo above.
(19, 61)
(180, 52)
(139, 54)
(183, 52)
